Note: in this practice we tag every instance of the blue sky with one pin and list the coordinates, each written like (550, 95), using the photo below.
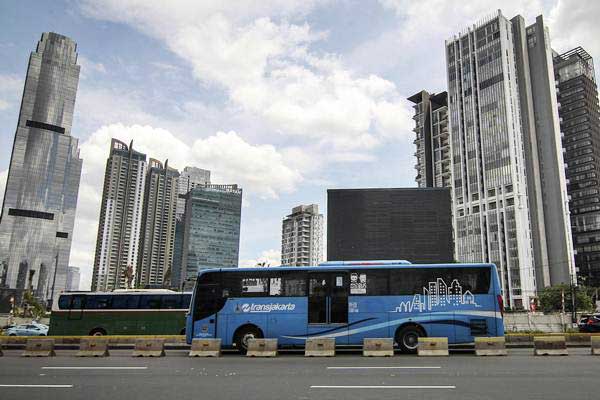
(286, 98)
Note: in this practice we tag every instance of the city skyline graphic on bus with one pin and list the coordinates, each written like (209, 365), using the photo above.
(438, 294)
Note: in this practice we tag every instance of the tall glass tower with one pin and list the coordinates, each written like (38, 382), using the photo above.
(38, 212)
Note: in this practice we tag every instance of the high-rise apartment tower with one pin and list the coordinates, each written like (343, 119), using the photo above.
(119, 228)
(302, 237)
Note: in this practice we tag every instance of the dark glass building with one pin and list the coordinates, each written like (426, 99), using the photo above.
(212, 228)
(580, 125)
(412, 224)
(38, 212)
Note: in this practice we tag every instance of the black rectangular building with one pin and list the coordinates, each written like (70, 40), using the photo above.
(413, 224)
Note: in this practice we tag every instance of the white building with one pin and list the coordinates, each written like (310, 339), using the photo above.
(302, 236)
(508, 183)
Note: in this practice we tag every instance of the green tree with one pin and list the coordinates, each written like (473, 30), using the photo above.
(551, 299)
(33, 307)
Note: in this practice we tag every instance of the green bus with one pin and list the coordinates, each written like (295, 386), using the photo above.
(122, 312)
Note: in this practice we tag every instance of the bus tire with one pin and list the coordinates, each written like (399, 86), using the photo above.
(407, 338)
(97, 332)
(243, 334)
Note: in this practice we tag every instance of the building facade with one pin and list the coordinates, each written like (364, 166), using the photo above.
(509, 189)
(38, 211)
(302, 237)
(212, 228)
(119, 228)
(580, 124)
(73, 279)
(432, 139)
(389, 224)
(189, 178)
(157, 242)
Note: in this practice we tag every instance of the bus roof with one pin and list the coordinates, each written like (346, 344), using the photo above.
(126, 291)
(337, 266)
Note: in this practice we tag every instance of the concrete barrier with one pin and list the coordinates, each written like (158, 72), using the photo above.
(149, 348)
(205, 348)
(383, 347)
(595, 345)
(319, 347)
(262, 348)
(432, 346)
(550, 346)
(93, 347)
(39, 348)
(490, 346)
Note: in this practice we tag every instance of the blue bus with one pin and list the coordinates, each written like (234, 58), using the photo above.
(348, 301)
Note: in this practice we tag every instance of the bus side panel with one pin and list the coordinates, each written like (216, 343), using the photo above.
(289, 327)
(477, 321)
(367, 318)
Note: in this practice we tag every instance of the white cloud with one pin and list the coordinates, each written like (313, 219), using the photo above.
(89, 67)
(3, 177)
(11, 87)
(265, 64)
(271, 257)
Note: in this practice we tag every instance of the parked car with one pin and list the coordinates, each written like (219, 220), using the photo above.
(589, 323)
(32, 329)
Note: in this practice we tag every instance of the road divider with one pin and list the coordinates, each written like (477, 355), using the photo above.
(205, 348)
(262, 348)
(319, 347)
(550, 346)
(39, 348)
(432, 346)
(149, 348)
(93, 347)
(490, 346)
(382, 347)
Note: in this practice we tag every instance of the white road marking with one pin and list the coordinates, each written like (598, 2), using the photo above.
(382, 387)
(37, 386)
(394, 367)
(108, 368)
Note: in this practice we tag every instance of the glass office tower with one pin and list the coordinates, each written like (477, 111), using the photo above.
(38, 211)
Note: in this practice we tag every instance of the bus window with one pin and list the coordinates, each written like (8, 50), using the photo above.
(369, 282)
(151, 301)
(409, 281)
(64, 302)
(97, 302)
(255, 286)
(125, 302)
(207, 301)
(78, 302)
(475, 280)
(186, 300)
(288, 284)
(170, 301)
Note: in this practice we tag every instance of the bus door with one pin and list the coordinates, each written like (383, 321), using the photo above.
(76, 307)
(209, 303)
(328, 304)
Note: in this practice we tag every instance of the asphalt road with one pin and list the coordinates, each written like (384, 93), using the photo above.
(292, 376)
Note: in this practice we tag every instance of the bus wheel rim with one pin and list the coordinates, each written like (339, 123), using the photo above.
(246, 338)
(411, 340)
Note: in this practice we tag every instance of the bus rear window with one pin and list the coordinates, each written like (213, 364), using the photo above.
(64, 302)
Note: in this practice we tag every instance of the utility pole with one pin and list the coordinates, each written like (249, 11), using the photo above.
(54, 278)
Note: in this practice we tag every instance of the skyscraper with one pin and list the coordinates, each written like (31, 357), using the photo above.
(38, 212)
(189, 178)
(302, 237)
(432, 139)
(212, 228)
(119, 228)
(509, 189)
(580, 123)
(73, 278)
(157, 242)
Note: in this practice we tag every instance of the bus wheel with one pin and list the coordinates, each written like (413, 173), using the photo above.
(97, 332)
(244, 334)
(408, 338)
